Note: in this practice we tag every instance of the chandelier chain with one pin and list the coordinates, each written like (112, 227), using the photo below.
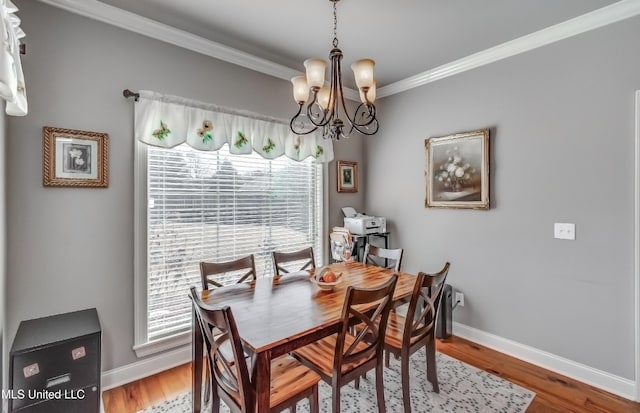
(335, 24)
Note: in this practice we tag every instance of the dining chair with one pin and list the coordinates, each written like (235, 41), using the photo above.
(383, 257)
(235, 271)
(230, 382)
(230, 271)
(406, 335)
(344, 357)
(303, 257)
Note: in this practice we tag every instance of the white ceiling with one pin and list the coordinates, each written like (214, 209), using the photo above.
(405, 37)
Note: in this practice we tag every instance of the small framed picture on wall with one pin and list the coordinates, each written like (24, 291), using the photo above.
(347, 176)
(74, 158)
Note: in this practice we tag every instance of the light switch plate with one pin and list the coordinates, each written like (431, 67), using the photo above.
(562, 230)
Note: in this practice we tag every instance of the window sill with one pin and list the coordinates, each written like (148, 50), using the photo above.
(168, 343)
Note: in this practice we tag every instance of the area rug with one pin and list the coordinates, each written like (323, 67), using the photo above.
(463, 388)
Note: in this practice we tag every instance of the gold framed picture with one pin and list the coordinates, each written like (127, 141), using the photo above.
(347, 176)
(457, 170)
(75, 158)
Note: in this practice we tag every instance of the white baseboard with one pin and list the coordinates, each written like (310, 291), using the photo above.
(606, 381)
(145, 367)
(617, 385)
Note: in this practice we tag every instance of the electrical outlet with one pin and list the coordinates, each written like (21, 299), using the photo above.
(459, 298)
(564, 231)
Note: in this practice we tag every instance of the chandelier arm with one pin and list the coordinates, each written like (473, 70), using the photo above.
(370, 114)
(334, 83)
(301, 132)
(368, 128)
(315, 116)
(318, 117)
(365, 131)
(296, 119)
(336, 57)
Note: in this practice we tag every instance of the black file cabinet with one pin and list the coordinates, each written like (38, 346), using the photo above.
(55, 364)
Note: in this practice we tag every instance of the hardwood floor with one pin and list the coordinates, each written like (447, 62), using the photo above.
(142, 393)
(554, 393)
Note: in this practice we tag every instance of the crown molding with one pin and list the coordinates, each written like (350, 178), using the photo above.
(114, 16)
(598, 18)
(123, 19)
(105, 13)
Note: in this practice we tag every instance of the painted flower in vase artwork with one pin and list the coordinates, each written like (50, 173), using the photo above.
(455, 172)
(76, 161)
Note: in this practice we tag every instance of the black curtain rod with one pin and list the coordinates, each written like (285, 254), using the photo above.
(129, 94)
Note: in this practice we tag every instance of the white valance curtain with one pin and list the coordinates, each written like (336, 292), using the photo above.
(12, 88)
(168, 121)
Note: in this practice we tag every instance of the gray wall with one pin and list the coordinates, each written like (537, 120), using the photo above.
(73, 248)
(351, 149)
(562, 151)
(562, 139)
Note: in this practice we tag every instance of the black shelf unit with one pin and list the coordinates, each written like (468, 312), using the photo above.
(360, 241)
(54, 364)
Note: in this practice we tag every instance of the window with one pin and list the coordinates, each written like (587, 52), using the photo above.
(196, 206)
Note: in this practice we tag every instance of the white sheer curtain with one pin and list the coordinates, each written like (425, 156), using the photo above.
(12, 87)
(168, 121)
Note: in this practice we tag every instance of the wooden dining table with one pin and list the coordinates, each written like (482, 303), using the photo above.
(276, 315)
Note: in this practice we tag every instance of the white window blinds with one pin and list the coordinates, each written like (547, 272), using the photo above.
(216, 206)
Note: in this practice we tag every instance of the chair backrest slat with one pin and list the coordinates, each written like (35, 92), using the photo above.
(305, 255)
(373, 322)
(424, 304)
(209, 269)
(383, 257)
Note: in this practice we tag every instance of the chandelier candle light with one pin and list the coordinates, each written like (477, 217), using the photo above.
(327, 102)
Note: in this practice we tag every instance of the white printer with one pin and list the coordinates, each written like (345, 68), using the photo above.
(360, 224)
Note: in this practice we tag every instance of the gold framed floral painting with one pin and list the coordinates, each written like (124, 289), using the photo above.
(457, 170)
(74, 158)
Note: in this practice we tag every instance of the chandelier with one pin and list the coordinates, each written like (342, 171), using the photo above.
(325, 105)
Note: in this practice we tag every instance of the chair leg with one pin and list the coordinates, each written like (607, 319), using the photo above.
(386, 359)
(211, 388)
(293, 409)
(380, 388)
(215, 399)
(406, 386)
(432, 370)
(335, 408)
(314, 404)
(207, 389)
(356, 383)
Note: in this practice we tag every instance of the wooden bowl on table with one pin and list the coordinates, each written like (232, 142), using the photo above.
(326, 279)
